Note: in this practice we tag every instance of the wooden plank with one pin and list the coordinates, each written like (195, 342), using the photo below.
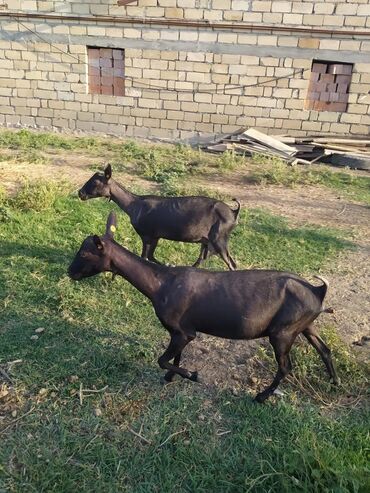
(354, 142)
(270, 141)
(348, 149)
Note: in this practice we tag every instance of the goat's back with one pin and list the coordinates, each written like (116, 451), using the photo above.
(240, 304)
(178, 218)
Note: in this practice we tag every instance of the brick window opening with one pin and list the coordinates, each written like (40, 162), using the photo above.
(329, 86)
(106, 71)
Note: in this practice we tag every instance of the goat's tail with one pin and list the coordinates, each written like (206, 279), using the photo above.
(321, 290)
(237, 210)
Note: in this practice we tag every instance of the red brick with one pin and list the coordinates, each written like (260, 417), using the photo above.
(321, 105)
(118, 54)
(321, 86)
(340, 69)
(314, 76)
(342, 98)
(94, 89)
(106, 62)
(107, 90)
(107, 81)
(94, 62)
(342, 88)
(319, 67)
(106, 72)
(333, 97)
(93, 80)
(94, 53)
(94, 71)
(313, 86)
(308, 105)
(335, 68)
(324, 96)
(119, 87)
(313, 96)
(329, 78)
(343, 79)
(106, 53)
(332, 87)
(341, 107)
(118, 63)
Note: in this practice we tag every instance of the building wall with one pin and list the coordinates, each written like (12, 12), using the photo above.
(183, 82)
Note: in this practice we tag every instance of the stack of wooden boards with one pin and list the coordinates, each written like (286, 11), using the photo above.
(340, 151)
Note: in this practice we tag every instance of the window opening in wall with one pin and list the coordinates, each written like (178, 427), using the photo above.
(106, 71)
(328, 88)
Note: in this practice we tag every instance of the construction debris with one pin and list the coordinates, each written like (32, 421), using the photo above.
(343, 151)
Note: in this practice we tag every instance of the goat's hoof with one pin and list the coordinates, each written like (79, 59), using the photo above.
(168, 377)
(261, 397)
(165, 380)
(193, 376)
(335, 381)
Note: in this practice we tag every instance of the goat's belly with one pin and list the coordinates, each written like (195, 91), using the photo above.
(227, 328)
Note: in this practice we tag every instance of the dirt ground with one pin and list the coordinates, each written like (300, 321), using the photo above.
(228, 364)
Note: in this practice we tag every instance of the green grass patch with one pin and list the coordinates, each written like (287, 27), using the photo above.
(172, 166)
(102, 334)
(276, 172)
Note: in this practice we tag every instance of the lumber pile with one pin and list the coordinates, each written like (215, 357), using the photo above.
(340, 151)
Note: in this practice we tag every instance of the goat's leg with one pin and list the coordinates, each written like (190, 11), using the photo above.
(232, 261)
(152, 247)
(221, 249)
(145, 249)
(178, 341)
(218, 240)
(281, 347)
(323, 350)
(202, 255)
(149, 245)
(170, 374)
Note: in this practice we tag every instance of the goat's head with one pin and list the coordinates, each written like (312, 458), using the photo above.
(97, 186)
(93, 256)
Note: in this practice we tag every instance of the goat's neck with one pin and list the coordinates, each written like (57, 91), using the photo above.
(143, 275)
(122, 197)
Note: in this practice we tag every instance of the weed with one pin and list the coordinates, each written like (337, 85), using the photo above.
(309, 373)
(4, 208)
(36, 196)
(161, 163)
(27, 140)
(229, 160)
(276, 172)
(3, 195)
(174, 186)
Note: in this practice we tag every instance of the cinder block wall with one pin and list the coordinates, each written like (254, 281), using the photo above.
(183, 82)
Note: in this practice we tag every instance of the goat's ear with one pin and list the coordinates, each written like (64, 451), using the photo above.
(111, 225)
(108, 172)
(98, 242)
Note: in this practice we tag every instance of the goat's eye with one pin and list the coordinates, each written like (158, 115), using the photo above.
(83, 254)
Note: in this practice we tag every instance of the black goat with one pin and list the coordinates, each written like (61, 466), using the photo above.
(245, 304)
(188, 219)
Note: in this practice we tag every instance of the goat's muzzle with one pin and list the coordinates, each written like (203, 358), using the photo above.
(75, 276)
(82, 195)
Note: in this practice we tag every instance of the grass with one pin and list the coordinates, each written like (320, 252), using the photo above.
(276, 172)
(174, 166)
(103, 335)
